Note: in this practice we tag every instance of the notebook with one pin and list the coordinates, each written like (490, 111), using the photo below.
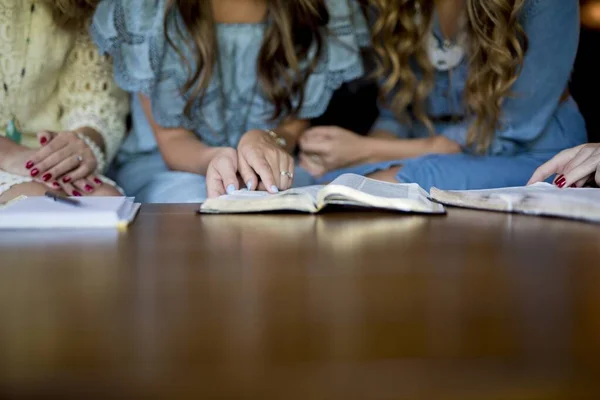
(347, 190)
(537, 199)
(92, 212)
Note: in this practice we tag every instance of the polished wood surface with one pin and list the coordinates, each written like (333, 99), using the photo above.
(353, 306)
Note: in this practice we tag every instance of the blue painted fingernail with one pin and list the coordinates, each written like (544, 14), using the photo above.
(274, 189)
(249, 184)
(230, 189)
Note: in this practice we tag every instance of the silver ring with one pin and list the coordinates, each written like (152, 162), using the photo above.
(79, 159)
(288, 174)
(316, 159)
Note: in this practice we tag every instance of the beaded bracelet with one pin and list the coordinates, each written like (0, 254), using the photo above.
(278, 139)
(96, 150)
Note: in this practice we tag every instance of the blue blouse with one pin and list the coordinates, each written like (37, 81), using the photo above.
(552, 27)
(132, 32)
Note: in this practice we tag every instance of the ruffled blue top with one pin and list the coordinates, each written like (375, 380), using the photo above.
(133, 33)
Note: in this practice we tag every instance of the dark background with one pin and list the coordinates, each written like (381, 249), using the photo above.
(354, 105)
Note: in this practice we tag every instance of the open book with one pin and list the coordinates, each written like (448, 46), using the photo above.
(89, 212)
(537, 199)
(347, 190)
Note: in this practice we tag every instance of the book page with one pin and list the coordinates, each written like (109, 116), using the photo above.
(537, 199)
(249, 201)
(356, 190)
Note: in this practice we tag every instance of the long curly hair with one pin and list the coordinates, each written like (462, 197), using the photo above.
(497, 44)
(285, 61)
(71, 14)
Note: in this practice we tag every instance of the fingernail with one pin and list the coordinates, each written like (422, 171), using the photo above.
(67, 179)
(89, 188)
(561, 183)
(29, 165)
(274, 189)
(558, 178)
(76, 193)
(55, 185)
(43, 140)
(572, 186)
(98, 181)
(47, 177)
(249, 184)
(230, 189)
(35, 171)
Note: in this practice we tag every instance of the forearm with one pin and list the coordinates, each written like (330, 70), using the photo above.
(381, 147)
(183, 151)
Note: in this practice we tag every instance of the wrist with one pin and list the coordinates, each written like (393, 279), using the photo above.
(90, 137)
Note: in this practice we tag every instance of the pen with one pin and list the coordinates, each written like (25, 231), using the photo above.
(62, 199)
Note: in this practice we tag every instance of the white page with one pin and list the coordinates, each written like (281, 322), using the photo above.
(378, 188)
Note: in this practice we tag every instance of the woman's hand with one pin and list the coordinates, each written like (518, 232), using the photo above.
(575, 167)
(222, 173)
(326, 148)
(264, 163)
(66, 160)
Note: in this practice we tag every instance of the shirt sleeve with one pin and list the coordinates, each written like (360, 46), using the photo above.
(552, 28)
(89, 97)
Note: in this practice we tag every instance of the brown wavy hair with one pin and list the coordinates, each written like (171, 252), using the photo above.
(496, 50)
(283, 64)
(71, 14)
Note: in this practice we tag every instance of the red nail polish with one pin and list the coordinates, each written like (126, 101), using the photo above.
(34, 172)
(76, 193)
(88, 188)
(561, 184)
(43, 140)
(560, 180)
(29, 165)
(67, 179)
(55, 185)
(47, 177)
(98, 181)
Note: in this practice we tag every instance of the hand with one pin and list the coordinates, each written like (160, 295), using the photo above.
(326, 148)
(221, 175)
(575, 166)
(260, 157)
(440, 144)
(64, 160)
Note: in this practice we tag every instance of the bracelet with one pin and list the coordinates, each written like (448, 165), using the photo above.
(96, 150)
(278, 139)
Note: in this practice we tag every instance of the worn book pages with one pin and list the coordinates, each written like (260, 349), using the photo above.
(537, 199)
(347, 190)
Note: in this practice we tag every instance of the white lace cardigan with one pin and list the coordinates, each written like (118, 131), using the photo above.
(67, 84)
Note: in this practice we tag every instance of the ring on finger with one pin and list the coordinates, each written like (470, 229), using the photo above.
(79, 158)
(316, 159)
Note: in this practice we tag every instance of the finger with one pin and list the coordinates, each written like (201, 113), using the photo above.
(319, 133)
(286, 165)
(56, 144)
(85, 186)
(553, 166)
(71, 190)
(314, 146)
(247, 174)
(45, 137)
(214, 183)
(56, 164)
(274, 160)
(263, 169)
(581, 157)
(84, 170)
(310, 166)
(597, 175)
(584, 170)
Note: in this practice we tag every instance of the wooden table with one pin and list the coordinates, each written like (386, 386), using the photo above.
(351, 306)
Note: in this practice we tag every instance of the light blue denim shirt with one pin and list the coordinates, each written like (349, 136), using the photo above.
(132, 32)
(535, 124)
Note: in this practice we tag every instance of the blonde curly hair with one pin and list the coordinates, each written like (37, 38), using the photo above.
(496, 49)
(71, 14)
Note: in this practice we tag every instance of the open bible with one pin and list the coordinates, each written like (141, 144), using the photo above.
(538, 199)
(347, 190)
